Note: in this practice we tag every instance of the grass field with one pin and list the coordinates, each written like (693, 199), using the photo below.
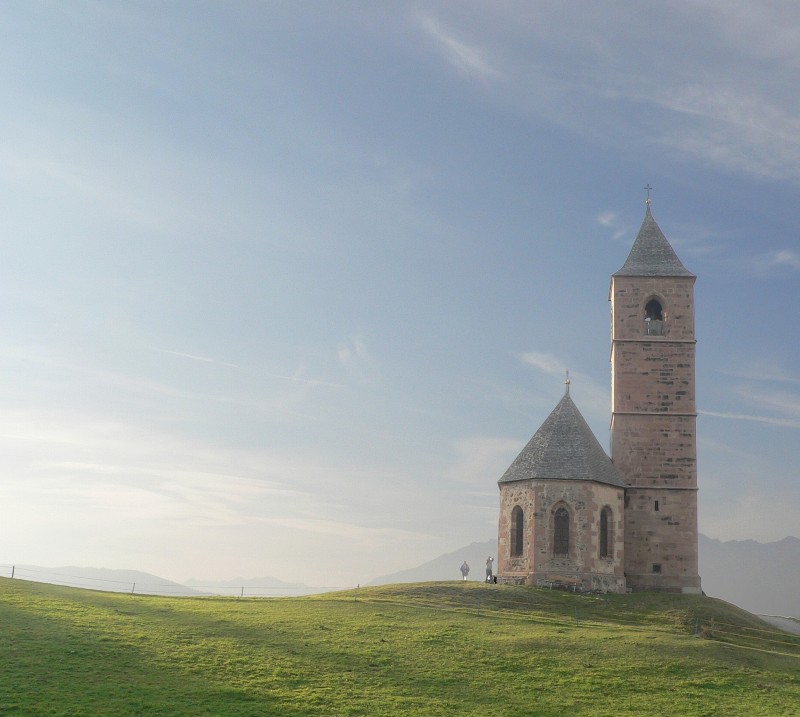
(423, 649)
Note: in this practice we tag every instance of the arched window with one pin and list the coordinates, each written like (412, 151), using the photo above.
(654, 318)
(517, 531)
(605, 533)
(561, 532)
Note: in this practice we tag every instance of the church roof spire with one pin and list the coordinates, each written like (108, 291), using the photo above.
(564, 448)
(651, 253)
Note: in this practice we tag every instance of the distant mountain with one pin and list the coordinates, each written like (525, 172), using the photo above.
(446, 567)
(263, 587)
(135, 581)
(124, 581)
(763, 578)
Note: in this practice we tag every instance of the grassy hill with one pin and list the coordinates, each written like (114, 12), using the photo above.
(424, 649)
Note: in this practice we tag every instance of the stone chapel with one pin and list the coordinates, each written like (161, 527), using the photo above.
(571, 514)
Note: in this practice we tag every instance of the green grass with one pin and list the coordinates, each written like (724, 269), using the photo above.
(424, 649)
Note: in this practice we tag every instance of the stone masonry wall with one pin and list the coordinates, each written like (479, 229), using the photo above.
(654, 376)
(584, 500)
(654, 443)
(511, 495)
(661, 530)
(655, 450)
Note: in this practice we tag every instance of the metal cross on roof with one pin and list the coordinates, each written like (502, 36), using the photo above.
(648, 188)
(566, 384)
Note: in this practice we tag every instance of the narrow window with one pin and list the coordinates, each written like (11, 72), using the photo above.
(561, 532)
(653, 318)
(517, 531)
(605, 532)
(656, 506)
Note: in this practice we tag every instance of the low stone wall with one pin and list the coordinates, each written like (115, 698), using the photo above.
(514, 580)
(580, 582)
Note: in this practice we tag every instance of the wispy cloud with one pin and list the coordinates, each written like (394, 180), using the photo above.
(607, 218)
(284, 403)
(353, 351)
(594, 397)
(356, 358)
(157, 492)
(548, 363)
(301, 376)
(482, 459)
(765, 388)
(787, 257)
(353, 531)
(469, 59)
(783, 402)
(311, 381)
(778, 260)
(610, 220)
(555, 366)
(140, 185)
(195, 357)
(764, 371)
(187, 499)
(771, 420)
(592, 72)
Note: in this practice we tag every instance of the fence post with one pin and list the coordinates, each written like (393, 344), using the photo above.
(13, 568)
(133, 588)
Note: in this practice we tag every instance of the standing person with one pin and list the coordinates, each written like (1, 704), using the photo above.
(465, 569)
(489, 562)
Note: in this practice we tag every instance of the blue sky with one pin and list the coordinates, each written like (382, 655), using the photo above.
(286, 286)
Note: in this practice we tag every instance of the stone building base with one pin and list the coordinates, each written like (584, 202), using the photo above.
(578, 582)
(664, 583)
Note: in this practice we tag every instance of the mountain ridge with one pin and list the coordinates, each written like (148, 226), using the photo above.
(109, 579)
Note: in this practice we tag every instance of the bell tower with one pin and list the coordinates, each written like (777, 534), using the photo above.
(653, 414)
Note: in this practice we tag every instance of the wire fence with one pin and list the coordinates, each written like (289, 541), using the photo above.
(772, 641)
(141, 586)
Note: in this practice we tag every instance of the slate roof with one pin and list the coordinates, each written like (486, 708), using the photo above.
(564, 448)
(651, 253)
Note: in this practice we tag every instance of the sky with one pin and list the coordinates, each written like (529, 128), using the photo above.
(285, 287)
